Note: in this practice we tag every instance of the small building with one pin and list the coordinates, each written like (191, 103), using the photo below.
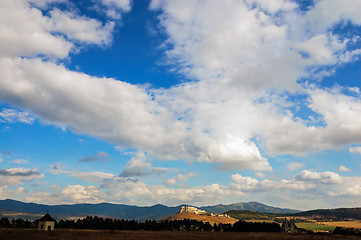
(46, 223)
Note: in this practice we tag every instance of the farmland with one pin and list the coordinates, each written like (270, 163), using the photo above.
(315, 226)
(20, 234)
(348, 224)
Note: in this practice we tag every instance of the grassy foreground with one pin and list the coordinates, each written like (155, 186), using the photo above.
(20, 234)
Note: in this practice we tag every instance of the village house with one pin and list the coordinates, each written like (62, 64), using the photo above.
(46, 223)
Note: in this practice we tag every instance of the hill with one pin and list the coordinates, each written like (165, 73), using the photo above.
(203, 216)
(253, 206)
(252, 215)
(337, 214)
(16, 209)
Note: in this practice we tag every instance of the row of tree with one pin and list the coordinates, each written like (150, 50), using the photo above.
(347, 231)
(91, 222)
(174, 225)
(16, 223)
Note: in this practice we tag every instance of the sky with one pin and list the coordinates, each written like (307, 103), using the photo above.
(181, 102)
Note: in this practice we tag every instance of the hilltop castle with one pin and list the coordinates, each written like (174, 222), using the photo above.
(194, 210)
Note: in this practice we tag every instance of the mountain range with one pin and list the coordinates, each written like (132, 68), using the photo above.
(16, 209)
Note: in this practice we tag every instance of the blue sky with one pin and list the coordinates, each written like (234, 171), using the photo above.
(181, 102)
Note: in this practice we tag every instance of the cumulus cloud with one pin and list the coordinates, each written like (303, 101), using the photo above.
(326, 177)
(138, 192)
(15, 176)
(351, 188)
(180, 178)
(82, 29)
(234, 105)
(355, 150)
(21, 21)
(343, 169)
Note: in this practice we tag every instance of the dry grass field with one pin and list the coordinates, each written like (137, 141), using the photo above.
(21, 234)
(348, 224)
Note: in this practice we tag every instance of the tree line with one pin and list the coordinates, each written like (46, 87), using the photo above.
(94, 222)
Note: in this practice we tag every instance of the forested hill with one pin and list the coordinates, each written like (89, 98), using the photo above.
(334, 214)
(253, 215)
(252, 206)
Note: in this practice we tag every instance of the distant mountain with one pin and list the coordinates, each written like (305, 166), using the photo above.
(156, 212)
(337, 214)
(16, 209)
(253, 215)
(253, 206)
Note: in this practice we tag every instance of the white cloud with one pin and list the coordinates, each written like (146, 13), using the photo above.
(82, 29)
(292, 166)
(138, 192)
(139, 166)
(244, 183)
(260, 175)
(68, 195)
(180, 178)
(94, 177)
(214, 119)
(325, 14)
(351, 188)
(113, 8)
(353, 191)
(19, 21)
(15, 176)
(3, 193)
(21, 190)
(13, 115)
(326, 177)
(343, 169)
(355, 150)
(81, 194)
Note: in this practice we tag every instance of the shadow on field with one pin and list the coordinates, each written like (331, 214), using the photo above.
(20, 234)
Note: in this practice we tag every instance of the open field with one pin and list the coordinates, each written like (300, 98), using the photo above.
(305, 225)
(20, 234)
(348, 224)
(315, 226)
